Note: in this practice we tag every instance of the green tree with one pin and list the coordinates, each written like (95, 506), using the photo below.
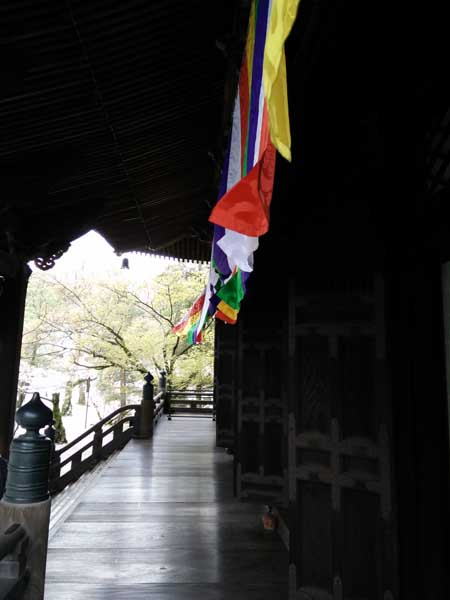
(162, 305)
(117, 329)
(66, 409)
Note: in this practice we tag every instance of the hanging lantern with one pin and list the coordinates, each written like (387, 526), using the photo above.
(125, 263)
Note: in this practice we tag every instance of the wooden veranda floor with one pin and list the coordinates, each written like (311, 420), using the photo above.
(161, 523)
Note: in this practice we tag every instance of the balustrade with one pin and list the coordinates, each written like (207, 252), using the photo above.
(107, 436)
(95, 444)
(190, 403)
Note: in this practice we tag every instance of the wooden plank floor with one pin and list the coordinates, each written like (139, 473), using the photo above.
(161, 523)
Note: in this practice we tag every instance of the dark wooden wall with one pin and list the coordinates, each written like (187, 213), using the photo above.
(341, 378)
(314, 322)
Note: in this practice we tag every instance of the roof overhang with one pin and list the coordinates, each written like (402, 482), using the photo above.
(113, 118)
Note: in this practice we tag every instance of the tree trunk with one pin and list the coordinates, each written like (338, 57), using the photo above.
(82, 393)
(34, 352)
(67, 404)
(60, 432)
(123, 387)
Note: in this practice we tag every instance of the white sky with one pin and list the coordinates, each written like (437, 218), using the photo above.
(92, 254)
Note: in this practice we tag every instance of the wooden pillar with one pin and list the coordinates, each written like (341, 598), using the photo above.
(12, 308)
(417, 361)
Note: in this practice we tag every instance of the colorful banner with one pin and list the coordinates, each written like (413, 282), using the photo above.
(260, 127)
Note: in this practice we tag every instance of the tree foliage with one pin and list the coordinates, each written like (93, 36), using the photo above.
(114, 330)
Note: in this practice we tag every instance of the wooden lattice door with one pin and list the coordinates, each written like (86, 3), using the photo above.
(342, 543)
(261, 413)
(225, 388)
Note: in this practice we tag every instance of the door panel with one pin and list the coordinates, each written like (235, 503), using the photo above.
(262, 414)
(225, 388)
(341, 521)
(314, 535)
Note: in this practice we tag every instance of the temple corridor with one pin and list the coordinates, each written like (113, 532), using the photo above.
(161, 522)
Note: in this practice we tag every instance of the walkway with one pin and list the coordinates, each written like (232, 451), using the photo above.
(161, 523)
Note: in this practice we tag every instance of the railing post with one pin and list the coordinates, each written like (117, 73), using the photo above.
(145, 428)
(162, 387)
(162, 382)
(97, 444)
(27, 500)
(55, 459)
(167, 405)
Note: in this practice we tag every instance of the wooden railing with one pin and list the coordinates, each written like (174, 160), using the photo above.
(105, 437)
(159, 407)
(190, 402)
(14, 574)
(95, 444)
(100, 441)
(36, 467)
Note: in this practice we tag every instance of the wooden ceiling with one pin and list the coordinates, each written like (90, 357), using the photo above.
(112, 118)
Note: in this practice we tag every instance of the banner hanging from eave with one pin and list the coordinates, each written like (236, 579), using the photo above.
(260, 127)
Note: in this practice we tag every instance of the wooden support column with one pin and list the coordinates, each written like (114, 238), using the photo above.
(12, 309)
(417, 356)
